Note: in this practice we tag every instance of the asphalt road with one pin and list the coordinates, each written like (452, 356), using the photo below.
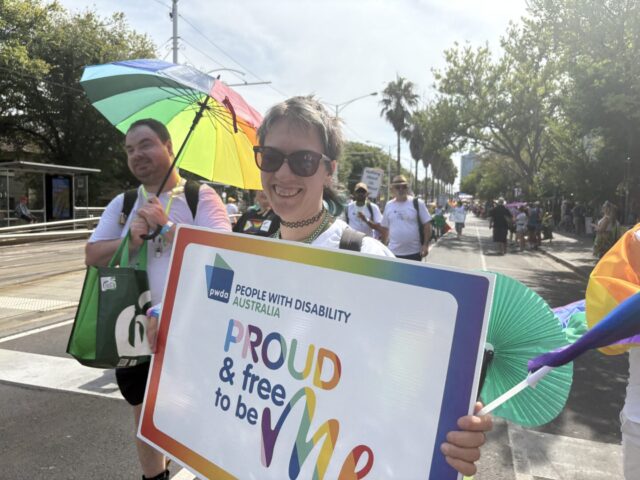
(60, 422)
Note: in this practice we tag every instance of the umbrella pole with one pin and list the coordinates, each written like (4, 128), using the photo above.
(196, 119)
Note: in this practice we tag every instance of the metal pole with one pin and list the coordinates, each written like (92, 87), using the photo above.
(44, 199)
(8, 197)
(73, 198)
(389, 173)
(174, 17)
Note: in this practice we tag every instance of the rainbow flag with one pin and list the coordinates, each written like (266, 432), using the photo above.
(612, 305)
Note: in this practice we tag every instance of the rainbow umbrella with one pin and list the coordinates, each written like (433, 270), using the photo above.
(213, 125)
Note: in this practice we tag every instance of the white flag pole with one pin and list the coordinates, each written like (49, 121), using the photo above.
(531, 381)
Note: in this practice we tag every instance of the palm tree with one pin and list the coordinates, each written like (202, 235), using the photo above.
(414, 134)
(398, 98)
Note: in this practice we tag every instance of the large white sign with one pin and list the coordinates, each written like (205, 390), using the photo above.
(278, 360)
(372, 177)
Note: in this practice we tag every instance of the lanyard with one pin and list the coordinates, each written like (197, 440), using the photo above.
(171, 197)
(161, 240)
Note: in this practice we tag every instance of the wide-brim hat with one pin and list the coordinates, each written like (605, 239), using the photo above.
(399, 180)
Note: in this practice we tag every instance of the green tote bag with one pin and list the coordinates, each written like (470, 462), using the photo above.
(110, 323)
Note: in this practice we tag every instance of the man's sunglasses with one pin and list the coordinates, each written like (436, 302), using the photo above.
(361, 190)
(303, 163)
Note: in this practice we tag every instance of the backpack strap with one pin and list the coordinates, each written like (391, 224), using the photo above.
(130, 197)
(192, 194)
(351, 240)
(370, 209)
(420, 227)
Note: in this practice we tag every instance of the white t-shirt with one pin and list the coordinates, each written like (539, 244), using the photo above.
(401, 220)
(211, 213)
(521, 221)
(356, 223)
(632, 401)
(331, 238)
(232, 208)
(459, 215)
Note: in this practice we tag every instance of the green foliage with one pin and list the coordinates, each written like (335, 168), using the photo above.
(398, 98)
(495, 176)
(597, 46)
(43, 51)
(503, 105)
(356, 157)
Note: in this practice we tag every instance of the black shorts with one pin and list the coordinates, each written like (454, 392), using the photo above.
(132, 382)
(413, 256)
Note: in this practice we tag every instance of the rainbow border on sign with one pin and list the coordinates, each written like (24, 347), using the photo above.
(469, 290)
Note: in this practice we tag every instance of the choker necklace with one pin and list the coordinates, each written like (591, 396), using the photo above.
(326, 221)
(304, 223)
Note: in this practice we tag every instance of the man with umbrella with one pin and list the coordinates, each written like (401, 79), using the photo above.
(149, 157)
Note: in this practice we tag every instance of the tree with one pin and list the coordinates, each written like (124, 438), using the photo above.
(398, 98)
(414, 134)
(355, 158)
(504, 106)
(44, 103)
(494, 176)
(597, 44)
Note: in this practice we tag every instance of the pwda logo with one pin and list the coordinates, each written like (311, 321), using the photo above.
(219, 280)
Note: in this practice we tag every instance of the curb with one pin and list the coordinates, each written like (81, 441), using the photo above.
(577, 270)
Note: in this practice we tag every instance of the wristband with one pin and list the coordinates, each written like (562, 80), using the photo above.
(166, 227)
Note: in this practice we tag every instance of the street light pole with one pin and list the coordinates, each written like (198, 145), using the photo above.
(340, 106)
(174, 19)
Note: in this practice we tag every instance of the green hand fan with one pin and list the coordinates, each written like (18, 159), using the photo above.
(521, 327)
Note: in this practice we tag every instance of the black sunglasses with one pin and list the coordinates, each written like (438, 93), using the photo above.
(361, 190)
(303, 163)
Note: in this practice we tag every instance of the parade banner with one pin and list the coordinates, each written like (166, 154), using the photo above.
(278, 360)
(372, 177)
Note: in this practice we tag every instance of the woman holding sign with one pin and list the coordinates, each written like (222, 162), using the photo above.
(300, 143)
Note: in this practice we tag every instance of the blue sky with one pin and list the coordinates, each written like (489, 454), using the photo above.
(336, 49)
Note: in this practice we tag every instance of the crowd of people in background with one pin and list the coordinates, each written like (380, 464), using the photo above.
(409, 224)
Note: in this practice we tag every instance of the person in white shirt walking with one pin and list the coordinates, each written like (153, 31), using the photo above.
(406, 223)
(458, 216)
(362, 215)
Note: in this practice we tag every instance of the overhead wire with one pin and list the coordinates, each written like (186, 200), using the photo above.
(230, 57)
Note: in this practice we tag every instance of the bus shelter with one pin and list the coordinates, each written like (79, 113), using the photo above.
(57, 193)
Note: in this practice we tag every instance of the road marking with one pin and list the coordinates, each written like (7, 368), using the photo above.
(35, 330)
(57, 373)
(34, 304)
(482, 259)
(183, 474)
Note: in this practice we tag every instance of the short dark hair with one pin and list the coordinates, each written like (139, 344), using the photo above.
(308, 112)
(158, 128)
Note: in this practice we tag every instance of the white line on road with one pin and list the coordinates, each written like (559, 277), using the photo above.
(482, 259)
(35, 330)
(57, 373)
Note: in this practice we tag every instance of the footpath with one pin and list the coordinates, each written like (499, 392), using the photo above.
(573, 251)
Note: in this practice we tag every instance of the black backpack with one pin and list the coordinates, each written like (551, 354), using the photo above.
(191, 193)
